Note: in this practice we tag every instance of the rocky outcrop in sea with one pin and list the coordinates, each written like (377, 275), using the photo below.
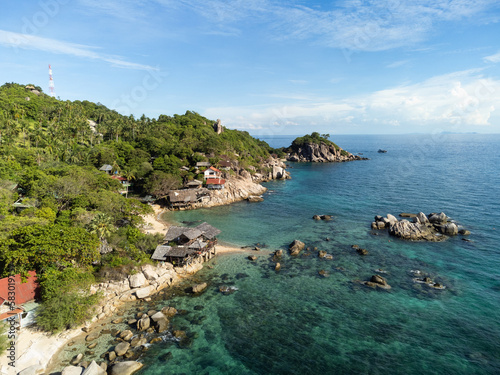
(320, 153)
(434, 227)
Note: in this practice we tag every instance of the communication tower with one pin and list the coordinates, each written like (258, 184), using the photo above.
(51, 83)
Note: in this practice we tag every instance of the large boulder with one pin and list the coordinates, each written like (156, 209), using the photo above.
(94, 369)
(377, 281)
(137, 280)
(412, 231)
(422, 219)
(161, 325)
(144, 323)
(392, 219)
(450, 229)
(149, 272)
(157, 316)
(144, 292)
(126, 368)
(122, 348)
(296, 247)
(440, 218)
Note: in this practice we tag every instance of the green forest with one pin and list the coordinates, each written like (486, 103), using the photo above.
(57, 209)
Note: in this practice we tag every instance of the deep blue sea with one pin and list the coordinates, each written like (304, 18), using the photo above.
(297, 322)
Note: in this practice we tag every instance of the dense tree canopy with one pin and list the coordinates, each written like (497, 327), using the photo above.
(58, 210)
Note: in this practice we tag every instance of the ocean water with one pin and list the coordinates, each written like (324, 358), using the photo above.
(296, 321)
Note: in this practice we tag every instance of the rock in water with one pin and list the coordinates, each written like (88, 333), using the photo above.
(143, 323)
(121, 348)
(126, 368)
(412, 231)
(377, 281)
(198, 288)
(296, 247)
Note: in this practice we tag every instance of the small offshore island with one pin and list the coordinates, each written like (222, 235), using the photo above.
(77, 183)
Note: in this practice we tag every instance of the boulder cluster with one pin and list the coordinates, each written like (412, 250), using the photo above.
(433, 227)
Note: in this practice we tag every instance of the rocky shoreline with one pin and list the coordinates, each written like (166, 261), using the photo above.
(242, 185)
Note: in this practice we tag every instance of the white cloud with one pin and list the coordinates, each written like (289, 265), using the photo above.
(463, 98)
(32, 42)
(493, 58)
(355, 25)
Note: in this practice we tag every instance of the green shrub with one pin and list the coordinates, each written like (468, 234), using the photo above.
(66, 301)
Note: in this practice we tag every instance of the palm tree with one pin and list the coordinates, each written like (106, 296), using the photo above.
(101, 226)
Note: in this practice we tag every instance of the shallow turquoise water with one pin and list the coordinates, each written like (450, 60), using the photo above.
(297, 322)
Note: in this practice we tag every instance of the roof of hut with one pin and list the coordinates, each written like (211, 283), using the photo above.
(174, 232)
(185, 196)
(198, 245)
(106, 167)
(208, 231)
(160, 252)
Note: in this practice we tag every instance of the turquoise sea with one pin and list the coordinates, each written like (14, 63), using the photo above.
(297, 322)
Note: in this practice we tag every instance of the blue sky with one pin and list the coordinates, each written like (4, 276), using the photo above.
(268, 66)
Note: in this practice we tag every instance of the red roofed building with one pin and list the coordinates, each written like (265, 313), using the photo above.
(20, 293)
(215, 183)
(212, 172)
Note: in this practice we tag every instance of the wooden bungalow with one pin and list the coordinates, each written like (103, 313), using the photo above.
(225, 165)
(203, 164)
(182, 198)
(194, 184)
(177, 255)
(190, 243)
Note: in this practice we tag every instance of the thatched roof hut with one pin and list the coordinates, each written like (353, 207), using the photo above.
(208, 231)
(182, 197)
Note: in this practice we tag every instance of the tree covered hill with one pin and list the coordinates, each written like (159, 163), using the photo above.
(58, 211)
(36, 129)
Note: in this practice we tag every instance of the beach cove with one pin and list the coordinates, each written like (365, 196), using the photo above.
(304, 321)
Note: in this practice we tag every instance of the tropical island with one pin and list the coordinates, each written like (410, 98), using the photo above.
(77, 183)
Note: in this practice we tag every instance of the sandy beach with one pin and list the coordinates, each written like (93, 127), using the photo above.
(35, 348)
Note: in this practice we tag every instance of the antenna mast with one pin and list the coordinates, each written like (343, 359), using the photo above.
(51, 83)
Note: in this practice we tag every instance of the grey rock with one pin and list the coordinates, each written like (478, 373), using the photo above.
(144, 323)
(137, 280)
(94, 369)
(157, 316)
(126, 368)
(122, 348)
(296, 247)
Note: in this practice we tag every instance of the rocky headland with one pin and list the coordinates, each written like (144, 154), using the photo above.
(433, 227)
(318, 149)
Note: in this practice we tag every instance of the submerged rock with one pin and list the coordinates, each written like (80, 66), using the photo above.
(377, 281)
(198, 288)
(296, 247)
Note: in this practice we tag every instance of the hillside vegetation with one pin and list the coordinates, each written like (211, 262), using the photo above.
(50, 152)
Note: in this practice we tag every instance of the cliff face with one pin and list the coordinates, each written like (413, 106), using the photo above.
(320, 152)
